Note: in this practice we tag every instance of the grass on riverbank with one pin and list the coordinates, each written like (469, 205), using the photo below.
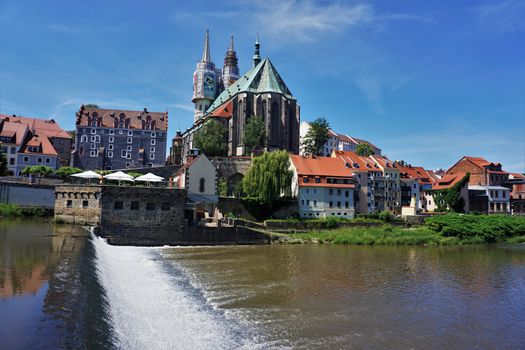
(383, 235)
(440, 230)
(15, 211)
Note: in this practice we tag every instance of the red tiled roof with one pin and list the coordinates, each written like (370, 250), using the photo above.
(448, 181)
(224, 111)
(346, 138)
(107, 117)
(418, 173)
(356, 162)
(39, 126)
(40, 141)
(497, 172)
(325, 184)
(321, 166)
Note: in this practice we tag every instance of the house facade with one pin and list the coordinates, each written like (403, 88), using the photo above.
(32, 141)
(112, 139)
(323, 186)
(199, 177)
(447, 182)
(489, 199)
(482, 172)
(335, 142)
(377, 182)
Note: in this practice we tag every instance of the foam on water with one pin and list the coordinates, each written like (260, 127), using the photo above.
(153, 306)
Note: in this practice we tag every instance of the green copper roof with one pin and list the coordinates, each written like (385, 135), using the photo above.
(261, 78)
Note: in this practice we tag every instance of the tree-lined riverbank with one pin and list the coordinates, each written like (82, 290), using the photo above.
(439, 230)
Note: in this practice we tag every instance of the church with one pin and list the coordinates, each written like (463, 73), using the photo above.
(233, 99)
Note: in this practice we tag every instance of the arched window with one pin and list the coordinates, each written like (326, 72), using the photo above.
(83, 138)
(201, 185)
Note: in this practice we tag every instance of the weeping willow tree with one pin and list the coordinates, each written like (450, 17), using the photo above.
(269, 177)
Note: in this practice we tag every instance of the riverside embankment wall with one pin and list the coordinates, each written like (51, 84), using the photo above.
(142, 216)
(27, 195)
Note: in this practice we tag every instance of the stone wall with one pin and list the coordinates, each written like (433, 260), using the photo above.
(78, 204)
(27, 195)
(143, 213)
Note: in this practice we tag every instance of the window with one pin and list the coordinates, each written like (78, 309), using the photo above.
(153, 142)
(123, 154)
(110, 147)
(112, 132)
(13, 150)
(110, 154)
(93, 146)
(83, 138)
(150, 206)
(11, 161)
(346, 204)
(93, 131)
(119, 205)
(339, 204)
(307, 202)
(152, 156)
(331, 191)
(347, 193)
(338, 192)
(130, 133)
(165, 206)
(153, 134)
(128, 164)
(81, 151)
(129, 148)
(150, 165)
(503, 194)
(135, 205)
(39, 159)
(160, 134)
(315, 203)
(315, 190)
(48, 160)
(317, 180)
(130, 140)
(69, 203)
(120, 132)
(201, 184)
(93, 153)
(111, 138)
(152, 149)
(305, 179)
(128, 156)
(302, 201)
(85, 204)
(307, 191)
(331, 204)
(26, 159)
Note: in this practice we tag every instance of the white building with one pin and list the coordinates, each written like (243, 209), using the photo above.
(199, 177)
(498, 198)
(323, 186)
(335, 141)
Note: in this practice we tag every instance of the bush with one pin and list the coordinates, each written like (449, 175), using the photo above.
(485, 228)
(385, 216)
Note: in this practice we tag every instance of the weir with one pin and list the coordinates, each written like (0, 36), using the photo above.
(144, 216)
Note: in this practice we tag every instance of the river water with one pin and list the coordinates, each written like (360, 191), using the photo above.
(60, 287)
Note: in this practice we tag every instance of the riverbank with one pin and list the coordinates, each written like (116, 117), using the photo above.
(15, 211)
(449, 229)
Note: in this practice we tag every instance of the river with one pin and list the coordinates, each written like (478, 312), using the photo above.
(60, 287)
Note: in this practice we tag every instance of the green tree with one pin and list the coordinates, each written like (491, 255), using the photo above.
(211, 139)
(364, 149)
(450, 199)
(66, 171)
(254, 134)
(3, 162)
(223, 187)
(38, 171)
(316, 137)
(269, 177)
(134, 173)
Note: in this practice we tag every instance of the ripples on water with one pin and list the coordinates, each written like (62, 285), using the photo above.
(94, 295)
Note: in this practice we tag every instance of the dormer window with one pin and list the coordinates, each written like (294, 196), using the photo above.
(305, 179)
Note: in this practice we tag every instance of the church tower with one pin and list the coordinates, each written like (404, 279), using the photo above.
(257, 54)
(230, 71)
(205, 81)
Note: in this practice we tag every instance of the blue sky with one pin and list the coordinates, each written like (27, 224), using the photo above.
(427, 81)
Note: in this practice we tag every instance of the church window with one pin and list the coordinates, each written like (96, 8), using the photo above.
(83, 138)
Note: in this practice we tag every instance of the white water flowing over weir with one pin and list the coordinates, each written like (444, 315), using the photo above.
(151, 308)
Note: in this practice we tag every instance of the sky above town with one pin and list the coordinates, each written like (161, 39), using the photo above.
(426, 81)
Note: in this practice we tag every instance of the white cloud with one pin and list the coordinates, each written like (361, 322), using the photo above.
(502, 16)
(371, 88)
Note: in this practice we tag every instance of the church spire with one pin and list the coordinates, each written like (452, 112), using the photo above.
(206, 53)
(230, 71)
(256, 55)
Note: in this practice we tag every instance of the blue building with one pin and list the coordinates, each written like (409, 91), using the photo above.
(119, 139)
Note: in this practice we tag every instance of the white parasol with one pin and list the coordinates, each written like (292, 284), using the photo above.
(119, 176)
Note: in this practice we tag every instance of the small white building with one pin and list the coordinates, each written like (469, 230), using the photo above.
(498, 198)
(199, 177)
(323, 186)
